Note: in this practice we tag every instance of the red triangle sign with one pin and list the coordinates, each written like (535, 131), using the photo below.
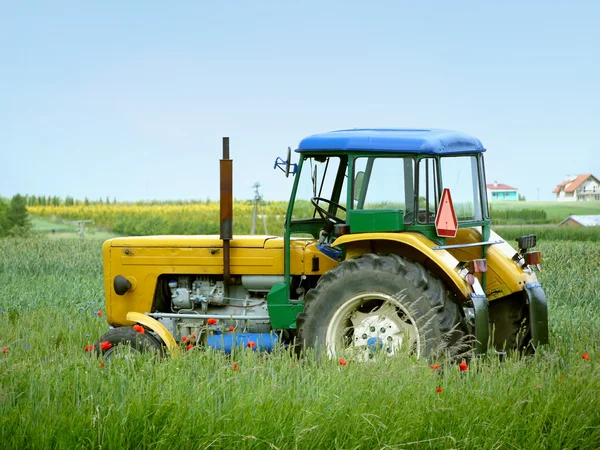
(445, 220)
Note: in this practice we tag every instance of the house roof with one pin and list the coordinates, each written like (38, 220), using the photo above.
(572, 185)
(586, 221)
(393, 140)
(500, 187)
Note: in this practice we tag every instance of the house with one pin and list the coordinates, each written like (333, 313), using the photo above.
(578, 188)
(501, 192)
(581, 221)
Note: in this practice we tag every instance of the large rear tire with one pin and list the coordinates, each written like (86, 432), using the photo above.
(377, 305)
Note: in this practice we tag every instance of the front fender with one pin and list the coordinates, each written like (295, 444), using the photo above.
(157, 327)
(413, 245)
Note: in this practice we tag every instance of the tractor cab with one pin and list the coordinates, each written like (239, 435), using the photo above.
(387, 181)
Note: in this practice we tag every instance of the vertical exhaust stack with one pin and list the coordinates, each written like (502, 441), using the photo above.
(226, 204)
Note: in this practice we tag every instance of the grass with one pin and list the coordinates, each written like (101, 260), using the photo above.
(53, 396)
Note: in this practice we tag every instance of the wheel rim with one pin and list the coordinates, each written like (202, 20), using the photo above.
(371, 324)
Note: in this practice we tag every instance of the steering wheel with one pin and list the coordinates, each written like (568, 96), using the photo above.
(326, 215)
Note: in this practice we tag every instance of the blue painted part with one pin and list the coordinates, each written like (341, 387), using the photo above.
(532, 285)
(374, 343)
(331, 252)
(393, 140)
(265, 342)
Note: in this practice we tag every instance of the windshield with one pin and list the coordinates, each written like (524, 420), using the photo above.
(324, 178)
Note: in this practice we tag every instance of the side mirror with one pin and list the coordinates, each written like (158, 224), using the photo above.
(358, 184)
(286, 166)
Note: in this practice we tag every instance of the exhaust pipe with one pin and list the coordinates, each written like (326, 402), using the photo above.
(226, 205)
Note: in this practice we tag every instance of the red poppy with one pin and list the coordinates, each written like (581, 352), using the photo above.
(343, 362)
(463, 366)
(236, 367)
(231, 328)
(586, 356)
(211, 321)
(438, 390)
(101, 364)
(105, 345)
(140, 329)
(89, 348)
(100, 313)
(193, 335)
(435, 366)
(190, 346)
(184, 338)
(5, 350)
(251, 344)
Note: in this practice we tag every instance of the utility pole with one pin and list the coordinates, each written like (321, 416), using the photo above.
(257, 205)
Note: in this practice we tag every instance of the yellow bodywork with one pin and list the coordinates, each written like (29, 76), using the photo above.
(142, 259)
(503, 276)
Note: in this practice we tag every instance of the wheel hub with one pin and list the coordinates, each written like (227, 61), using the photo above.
(379, 331)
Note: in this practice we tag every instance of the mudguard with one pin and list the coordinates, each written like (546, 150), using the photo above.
(157, 327)
(538, 313)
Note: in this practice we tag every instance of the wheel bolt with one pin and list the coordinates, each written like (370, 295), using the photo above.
(372, 329)
(370, 355)
(382, 330)
(364, 336)
(389, 350)
(389, 338)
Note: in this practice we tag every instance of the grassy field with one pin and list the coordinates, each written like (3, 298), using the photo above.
(63, 229)
(555, 211)
(53, 396)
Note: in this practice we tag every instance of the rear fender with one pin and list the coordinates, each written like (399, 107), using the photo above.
(412, 245)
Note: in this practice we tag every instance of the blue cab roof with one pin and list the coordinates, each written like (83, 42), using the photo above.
(392, 140)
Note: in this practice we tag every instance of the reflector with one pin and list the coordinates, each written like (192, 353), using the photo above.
(478, 266)
(533, 258)
(445, 220)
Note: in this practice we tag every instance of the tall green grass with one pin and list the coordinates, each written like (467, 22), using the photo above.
(53, 396)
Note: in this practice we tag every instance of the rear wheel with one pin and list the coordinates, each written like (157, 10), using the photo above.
(381, 305)
(125, 342)
(509, 320)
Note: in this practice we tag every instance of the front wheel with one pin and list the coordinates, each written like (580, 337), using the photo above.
(125, 341)
(385, 305)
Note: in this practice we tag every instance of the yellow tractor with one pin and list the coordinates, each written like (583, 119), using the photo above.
(386, 248)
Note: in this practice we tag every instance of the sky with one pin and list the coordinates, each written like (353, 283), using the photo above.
(130, 100)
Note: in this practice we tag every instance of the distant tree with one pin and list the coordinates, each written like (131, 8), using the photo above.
(114, 200)
(4, 226)
(522, 198)
(32, 201)
(69, 200)
(55, 201)
(16, 216)
(86, 201)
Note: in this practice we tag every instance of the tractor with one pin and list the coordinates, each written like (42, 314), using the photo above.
(386, 248)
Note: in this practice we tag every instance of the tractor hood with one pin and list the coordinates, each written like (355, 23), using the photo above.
(211, 241)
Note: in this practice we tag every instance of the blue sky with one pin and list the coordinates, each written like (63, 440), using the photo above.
(131, 99)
